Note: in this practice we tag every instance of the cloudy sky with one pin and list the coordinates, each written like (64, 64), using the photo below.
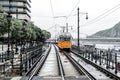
(103, 14)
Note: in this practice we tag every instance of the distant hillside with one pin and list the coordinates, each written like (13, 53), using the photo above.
(112, 32)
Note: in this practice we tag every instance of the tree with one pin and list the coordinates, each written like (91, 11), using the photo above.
(3, 22)
(22, 30)
(46, 34)
(16, 29)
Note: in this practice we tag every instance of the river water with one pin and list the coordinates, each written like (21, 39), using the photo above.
(101, 45)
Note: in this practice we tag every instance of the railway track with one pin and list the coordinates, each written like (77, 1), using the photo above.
(60, 66)
(105, 71)
(51, 65)
(37, 66)
(63, 61)
(80, 69)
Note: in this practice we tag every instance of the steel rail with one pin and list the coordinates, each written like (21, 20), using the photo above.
(111, 75)
(38, 65)
(60, 66)
(79, 67)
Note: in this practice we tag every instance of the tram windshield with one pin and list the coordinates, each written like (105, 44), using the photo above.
(65, 37)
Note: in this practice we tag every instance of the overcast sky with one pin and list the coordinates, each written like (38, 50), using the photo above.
(103, 14)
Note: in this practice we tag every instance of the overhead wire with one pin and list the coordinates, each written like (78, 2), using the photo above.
(102, 16)
(71, 11)
(98, 18)
(63, 16)
(52, 8)
(73, 8)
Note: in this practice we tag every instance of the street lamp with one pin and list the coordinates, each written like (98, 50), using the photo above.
(16, 51)
(9, 17)
(9, 20)
(79, 25)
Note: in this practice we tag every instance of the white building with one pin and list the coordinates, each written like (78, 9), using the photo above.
(18, 8)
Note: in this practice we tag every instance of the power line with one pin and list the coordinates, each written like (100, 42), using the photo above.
(102, 15)
(74, 8)
(52, 16)
(51, 27)
(52, 8)
(98, 18)
(62, 16)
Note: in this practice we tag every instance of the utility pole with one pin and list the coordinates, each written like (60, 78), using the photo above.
(78, 27)
(63, 28)
(66, 27)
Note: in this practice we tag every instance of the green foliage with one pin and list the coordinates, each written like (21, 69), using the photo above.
(46, 34)
(21, 29)
(3, 23)
(16, 29)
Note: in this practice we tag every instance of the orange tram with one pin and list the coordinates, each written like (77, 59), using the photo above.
(64, 41)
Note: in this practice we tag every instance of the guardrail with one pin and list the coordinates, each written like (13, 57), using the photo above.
(98, 67)
(34, 70)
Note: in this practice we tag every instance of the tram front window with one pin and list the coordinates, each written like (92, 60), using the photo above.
(66, 39)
